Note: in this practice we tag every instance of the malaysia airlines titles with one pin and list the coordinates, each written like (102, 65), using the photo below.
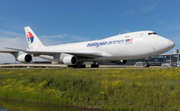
(97, 44)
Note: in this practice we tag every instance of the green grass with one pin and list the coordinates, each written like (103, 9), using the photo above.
(108, 89)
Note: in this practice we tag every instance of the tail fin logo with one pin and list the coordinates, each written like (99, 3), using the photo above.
(30, 37)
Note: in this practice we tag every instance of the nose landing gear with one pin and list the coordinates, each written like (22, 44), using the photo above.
(146, 64)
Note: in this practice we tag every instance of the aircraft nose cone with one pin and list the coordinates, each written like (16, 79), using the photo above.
(161, 44)
(171, 44)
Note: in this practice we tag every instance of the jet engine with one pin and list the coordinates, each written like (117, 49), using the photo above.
(70, 60)
(24, 58)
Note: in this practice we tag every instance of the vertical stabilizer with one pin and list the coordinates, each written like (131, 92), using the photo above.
(32, 39)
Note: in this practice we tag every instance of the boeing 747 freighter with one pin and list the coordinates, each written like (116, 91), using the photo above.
(134, 45)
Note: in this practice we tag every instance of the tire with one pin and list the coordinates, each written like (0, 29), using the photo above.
(92, 65)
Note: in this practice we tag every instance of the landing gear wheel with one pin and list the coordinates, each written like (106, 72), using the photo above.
(82, 66)
(79, 66)
(75, 66)
(95, 65)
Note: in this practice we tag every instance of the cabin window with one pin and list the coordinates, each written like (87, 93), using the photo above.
(153, 33)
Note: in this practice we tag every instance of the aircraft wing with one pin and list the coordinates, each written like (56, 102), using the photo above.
(9, 51)
(51, 53)
(14, 53)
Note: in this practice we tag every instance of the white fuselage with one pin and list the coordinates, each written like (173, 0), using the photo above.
(127, 46)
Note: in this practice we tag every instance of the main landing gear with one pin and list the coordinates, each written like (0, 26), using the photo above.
(146, 64)
(82, 65)
(95, 65)
(79, 65)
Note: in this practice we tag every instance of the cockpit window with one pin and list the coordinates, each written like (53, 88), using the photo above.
(153, 33)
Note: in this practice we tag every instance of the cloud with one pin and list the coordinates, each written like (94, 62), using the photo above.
(54, 36)
(125, 31)
(9, 32)
(6, 58)
(11, 39)
(18, 40)
(52, 39)
(81, 39)
(129, 12)
(47, 41)
(161, 22)
(149, 7)
(13, 42)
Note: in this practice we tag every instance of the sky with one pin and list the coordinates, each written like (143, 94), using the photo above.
(68, 21)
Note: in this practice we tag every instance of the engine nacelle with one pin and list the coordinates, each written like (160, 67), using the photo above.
(24, 58)
(70, 60)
